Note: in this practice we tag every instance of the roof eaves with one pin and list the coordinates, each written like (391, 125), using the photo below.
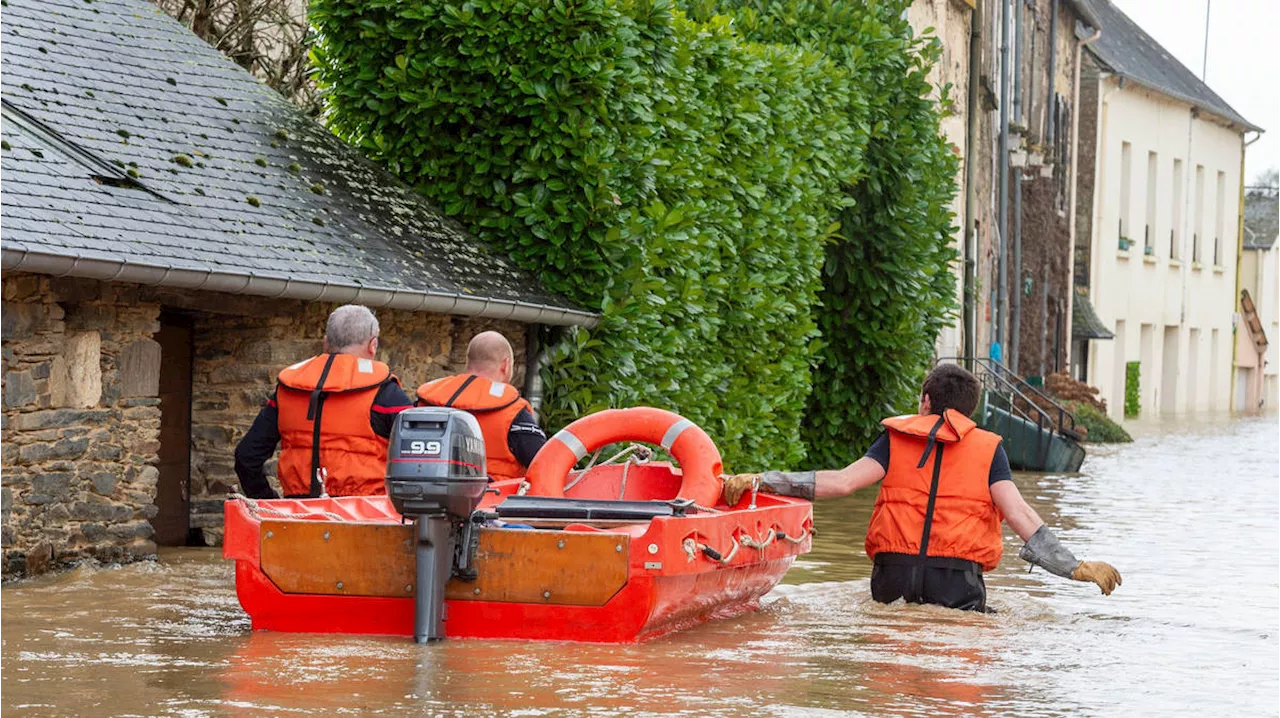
(283, 287)
(1195, 104)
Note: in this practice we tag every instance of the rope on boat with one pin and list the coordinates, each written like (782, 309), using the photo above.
(691, 547)
(635, 454)
(794, 539)
(749, 542)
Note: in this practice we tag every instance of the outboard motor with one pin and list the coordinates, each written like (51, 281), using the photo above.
(435, 477)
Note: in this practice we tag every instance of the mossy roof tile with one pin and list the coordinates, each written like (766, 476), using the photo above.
(123, 82)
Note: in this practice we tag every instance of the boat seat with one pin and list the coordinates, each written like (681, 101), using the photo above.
(543, 507)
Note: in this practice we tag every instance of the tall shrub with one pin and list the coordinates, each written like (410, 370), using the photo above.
(888, 284)
(664, 171)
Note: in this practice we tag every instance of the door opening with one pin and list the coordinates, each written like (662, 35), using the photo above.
(173, 492)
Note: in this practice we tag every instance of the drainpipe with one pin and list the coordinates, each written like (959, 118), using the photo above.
(536, 358)
(1071, 187)
(1002, 220)
(1050, 107)
(1017, 62)
(1044, 320)
(1015, 316)
(1235, 301)
(970, 287)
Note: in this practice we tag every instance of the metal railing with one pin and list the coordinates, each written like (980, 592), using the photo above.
(1020, 399)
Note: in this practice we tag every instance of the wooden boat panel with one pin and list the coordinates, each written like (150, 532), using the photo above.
(339, 559)
(513, 566)
(564, 568)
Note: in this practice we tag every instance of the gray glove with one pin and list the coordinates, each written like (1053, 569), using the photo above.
(799, 484)
(1044, 549)
(782, 483)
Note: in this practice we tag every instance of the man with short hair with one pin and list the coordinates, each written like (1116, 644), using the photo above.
(946, 485)
(512, 436)
(331, 415)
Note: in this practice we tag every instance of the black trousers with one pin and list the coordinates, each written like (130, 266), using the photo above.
(950, 582)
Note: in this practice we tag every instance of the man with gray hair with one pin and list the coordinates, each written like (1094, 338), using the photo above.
(330, 414)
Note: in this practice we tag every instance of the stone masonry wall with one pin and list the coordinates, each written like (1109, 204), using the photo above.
(241, 343)
(80, 423)
(81, 414)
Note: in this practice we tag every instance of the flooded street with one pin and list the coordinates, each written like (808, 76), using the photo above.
(1188, 514)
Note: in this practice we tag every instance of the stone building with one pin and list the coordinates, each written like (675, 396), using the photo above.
(1159, 246)
(175, 232)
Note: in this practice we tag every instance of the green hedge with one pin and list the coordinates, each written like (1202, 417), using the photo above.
(888, 287)
(667, 171)
(1101, 429)
(1132, 388)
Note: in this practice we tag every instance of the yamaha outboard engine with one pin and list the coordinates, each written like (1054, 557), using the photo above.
(436, 477)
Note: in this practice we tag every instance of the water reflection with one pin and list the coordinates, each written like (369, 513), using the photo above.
(1190, 516)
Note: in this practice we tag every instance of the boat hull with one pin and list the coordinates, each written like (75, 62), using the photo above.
(644, 583)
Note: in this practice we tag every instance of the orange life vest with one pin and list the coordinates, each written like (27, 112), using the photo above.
(951, 451)
(324, 405)
(493, 404)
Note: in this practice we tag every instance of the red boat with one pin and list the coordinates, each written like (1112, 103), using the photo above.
(346, 565)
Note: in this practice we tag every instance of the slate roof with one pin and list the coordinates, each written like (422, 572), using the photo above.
(1127, 50)
(1261, 219)
(135, 151)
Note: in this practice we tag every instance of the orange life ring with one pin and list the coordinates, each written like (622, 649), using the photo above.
(696, 453)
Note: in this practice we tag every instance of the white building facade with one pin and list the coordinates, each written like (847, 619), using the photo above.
(1258, 376)
(1164, 251)
(1165, 227)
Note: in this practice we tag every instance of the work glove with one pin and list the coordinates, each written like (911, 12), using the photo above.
(783, 483)
(1103, 574)
(1044, 549)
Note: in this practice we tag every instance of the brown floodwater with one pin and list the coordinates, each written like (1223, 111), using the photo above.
(1189, 513)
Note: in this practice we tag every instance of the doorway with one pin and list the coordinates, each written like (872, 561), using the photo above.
(173, 490)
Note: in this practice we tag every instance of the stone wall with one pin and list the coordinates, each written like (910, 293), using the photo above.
(81, 415)
(80, 423)
(1087, 162)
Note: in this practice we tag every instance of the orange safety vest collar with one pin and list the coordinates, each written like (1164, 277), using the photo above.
(344, 444)
(935, 500)
(495, 406)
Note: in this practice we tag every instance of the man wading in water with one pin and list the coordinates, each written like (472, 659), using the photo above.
(946, 486)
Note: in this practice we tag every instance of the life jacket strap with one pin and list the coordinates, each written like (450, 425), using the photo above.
(315, 413)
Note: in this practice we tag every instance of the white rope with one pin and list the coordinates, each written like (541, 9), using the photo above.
(642, 455)
(690, 548)
(796, 540)
(749, 542)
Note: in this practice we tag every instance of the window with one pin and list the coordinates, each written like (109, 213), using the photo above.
(1197, 231)
(1220, 220)
(1175, 232)
(1149, 233)
(1126, 182)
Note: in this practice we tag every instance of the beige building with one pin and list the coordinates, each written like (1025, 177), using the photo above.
(1257, 360)
(1164, 227)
